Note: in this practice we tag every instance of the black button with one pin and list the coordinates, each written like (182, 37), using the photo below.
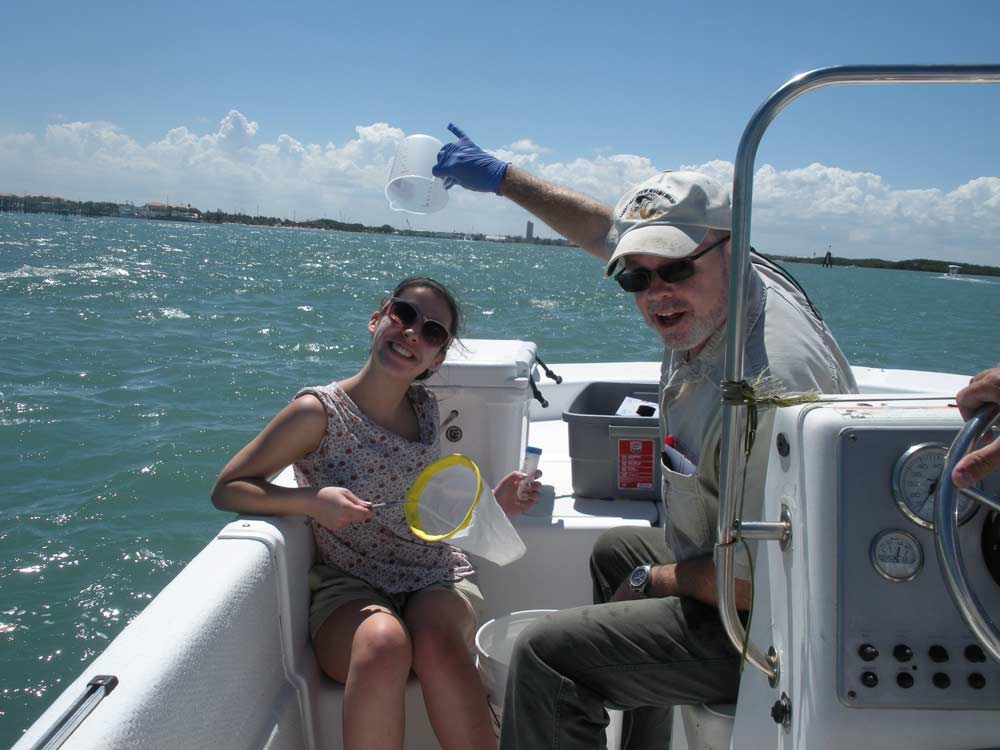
(974, 654)
(941, 680)
(868, 652)
(869, 679)
(977, 681)
(902, 653)
(904, 680)
(938, 654)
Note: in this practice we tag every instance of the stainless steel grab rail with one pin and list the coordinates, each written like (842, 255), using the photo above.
(734, 415)
(97, 690)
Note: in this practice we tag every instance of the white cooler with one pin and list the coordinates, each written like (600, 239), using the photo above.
(483, 393)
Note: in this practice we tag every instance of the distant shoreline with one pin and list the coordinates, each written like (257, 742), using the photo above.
(918, 264)
(47, 204)
(42, 204)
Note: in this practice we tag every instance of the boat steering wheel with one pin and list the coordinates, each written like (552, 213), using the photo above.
(956, 578)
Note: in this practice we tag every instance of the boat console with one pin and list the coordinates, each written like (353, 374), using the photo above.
(870, 644)
(858, 637)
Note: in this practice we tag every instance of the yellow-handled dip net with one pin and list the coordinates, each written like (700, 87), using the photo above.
(448, 502)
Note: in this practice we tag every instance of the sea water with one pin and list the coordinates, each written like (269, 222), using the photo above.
(137, 356)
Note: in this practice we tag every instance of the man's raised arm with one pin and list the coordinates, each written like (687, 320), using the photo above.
(577, 217)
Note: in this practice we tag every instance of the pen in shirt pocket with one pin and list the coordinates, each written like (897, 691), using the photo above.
(674, 460)
(668, 442)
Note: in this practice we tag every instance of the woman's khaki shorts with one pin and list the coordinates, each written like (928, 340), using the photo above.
(331, 588)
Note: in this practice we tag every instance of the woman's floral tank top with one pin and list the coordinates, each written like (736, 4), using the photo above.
(377, 465)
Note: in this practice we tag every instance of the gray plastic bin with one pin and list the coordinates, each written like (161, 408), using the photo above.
(611, 455)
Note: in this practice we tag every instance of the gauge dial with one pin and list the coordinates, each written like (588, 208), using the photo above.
(914, 484)
(896, 555)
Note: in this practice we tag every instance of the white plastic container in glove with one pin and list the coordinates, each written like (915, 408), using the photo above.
(532, 456)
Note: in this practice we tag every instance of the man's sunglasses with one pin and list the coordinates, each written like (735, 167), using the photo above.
(406, 314)
(672, 273)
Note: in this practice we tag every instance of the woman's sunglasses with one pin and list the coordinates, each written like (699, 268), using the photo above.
(406, 314)
(672, 273)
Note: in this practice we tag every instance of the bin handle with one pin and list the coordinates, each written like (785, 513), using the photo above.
(537, 394)
(548, 373)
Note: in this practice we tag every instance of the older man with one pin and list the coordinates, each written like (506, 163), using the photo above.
(653, 639)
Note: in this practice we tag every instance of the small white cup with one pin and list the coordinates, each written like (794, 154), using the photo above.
(412, 186)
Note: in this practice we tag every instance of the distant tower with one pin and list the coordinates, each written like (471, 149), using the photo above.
(529, 233)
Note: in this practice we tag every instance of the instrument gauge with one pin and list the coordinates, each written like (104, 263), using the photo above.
(896, 555)
(914, 484)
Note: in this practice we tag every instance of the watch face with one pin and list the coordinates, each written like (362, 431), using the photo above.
(639, 576)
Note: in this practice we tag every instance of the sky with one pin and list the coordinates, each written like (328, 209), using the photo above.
(295, 109)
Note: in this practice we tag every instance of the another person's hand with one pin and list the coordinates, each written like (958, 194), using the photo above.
(464, 163)
(337, 507)
(984, 389)
(516, 493)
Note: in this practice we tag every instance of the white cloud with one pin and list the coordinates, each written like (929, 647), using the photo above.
(801, 211)
(228, 168)
(795, 212)
(236, 127)
(527, 146)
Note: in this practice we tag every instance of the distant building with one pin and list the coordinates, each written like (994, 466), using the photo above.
(529, 233)
(156, 210)
(10, 203)
(129, 211)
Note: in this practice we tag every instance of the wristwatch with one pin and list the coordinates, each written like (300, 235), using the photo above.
(640, 579)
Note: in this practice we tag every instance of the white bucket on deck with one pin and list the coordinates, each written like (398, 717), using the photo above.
(494, 646)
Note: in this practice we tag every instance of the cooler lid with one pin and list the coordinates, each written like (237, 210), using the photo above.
(487, 363)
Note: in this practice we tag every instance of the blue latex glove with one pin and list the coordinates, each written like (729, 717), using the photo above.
(464, 163)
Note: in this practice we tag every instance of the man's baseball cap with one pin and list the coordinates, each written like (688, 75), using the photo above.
(668, 215)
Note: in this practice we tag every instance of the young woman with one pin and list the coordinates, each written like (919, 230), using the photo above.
(384, 602)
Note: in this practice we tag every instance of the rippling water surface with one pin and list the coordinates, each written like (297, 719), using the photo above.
(137, 356)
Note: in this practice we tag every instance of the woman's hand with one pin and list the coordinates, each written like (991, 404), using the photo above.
(516, 493)
(337, 507)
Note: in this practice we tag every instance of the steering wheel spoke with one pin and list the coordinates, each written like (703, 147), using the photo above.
(979, 497)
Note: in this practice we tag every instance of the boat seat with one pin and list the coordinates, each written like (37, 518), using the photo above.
(329, 706)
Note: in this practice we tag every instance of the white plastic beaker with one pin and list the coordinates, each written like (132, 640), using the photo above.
(412, 186)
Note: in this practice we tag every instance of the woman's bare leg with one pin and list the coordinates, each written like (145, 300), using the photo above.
(441, 626)
(366, 647)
